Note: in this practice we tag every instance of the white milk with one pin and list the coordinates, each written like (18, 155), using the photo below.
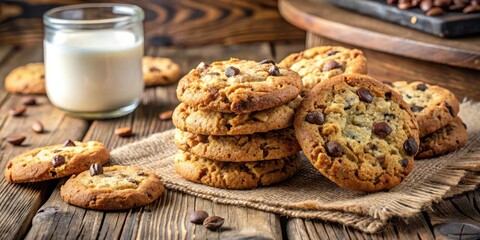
(94, 71)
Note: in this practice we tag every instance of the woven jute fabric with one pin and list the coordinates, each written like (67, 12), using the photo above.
(310, 195)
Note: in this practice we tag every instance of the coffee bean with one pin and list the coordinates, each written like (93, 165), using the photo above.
(274, 71)
(456, 7)
(435, 11)
(450, 109)
(410, 146)
(416, 108)
(58, 160)
(381, 129)
(403, 162)
(18, 110)
(167, 115)
(37, 127)
(95, 169)
(68, 143)
(442, 3)
(330, 64)
(334, 149)
(124, 132)
(232, 71)
(364, 95)
(426, 5)
(213, 223)
(471, 9)
(202, 138)
(315, 118)
(29, 100)
(421, 87)
(15, 139)
(266, 61)
(332, 52)
(198, 217)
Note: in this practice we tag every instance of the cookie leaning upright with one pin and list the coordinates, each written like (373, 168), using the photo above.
(238, 86)
(159, 71)
(28, 79)
(358, 133)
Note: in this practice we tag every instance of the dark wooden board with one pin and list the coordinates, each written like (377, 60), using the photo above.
(451, 24)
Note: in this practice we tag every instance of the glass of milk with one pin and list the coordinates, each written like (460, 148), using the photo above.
(93, 59)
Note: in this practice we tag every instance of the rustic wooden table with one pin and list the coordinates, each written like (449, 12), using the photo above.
(36, 211)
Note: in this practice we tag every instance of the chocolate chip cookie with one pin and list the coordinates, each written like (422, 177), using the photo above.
(357, 132)
(238, 86)
(239, 148)
(444, 140)
(320, 63)
(28, 79)
(55, 161)
(112, 188)
(433, 106)
(235, 175)
(159, 71)
(209, 122)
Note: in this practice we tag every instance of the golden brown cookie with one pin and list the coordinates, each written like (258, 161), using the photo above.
(235, 175)
(238, 86)
(317, 64)
(113, 188)
(159, 71)
(444, 140)
(433, 106)
(239, 148)
(56, 161)
(357, 132)
(28, 79)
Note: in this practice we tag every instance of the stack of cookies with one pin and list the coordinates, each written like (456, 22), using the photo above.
(234, 124)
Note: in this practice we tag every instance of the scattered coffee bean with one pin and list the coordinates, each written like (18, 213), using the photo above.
(364, 95)
(15, 139)
(68, 143)
(124, 132)
(334, 149)
(266, 61)
(29, 100)
(18, 110)
(450, 109)
(422, 87)
(315, 118)
(435, 11)
(232, 71)
(198, 217)
(213, 223)
(330, 64)
(167, 115)
(471, 9)
(37, 127)
(95, 169)
(274, 71)
(332, 52)
(58, 160)
(426, 5)
(202, 138)
(416, 108)
(410, 146)
(403, 162)
(381, 129)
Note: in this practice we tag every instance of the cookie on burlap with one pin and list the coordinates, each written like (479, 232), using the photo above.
(235, 175)
(320, 63)
(117, 188)
(357, 132)
(238, 86)
(209, 122)
(27, 79)
(159, 71)
(55, 161)
(433, 106)
(444, 140)
(239, 148)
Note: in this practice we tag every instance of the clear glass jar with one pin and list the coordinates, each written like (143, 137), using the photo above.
(93, 59)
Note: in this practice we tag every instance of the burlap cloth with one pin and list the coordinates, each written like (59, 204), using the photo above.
(310, 195)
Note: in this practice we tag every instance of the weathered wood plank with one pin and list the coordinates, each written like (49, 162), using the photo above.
(282, 50)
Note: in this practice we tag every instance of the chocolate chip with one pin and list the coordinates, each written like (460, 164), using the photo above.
(18, 110)
(95, 169)
(58, 160)
(332, 52)
(403, 162)
(167, 115)
(198, 217)
(421, 87)
(132, 180)
(266, 61)
(29, 101)
(68, 143)
(239, 106)
(232, 71)
(124, 132)
(155, 69)
(202, 138)
(389, 116)
(330, 64)
(381, 129)
(381, 160)
(410, 146)
(213, 223)
(416, 108)
(315, 118)
(274, 71)
(141, 173)
(450, 109)
(37, 127)
(388, 96)
(202, 66)
(15, 139)
(334, 149)
(364, 95)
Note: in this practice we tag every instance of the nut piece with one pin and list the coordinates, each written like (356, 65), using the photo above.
(95, 169)
(18, 110)
(198, 217)
(124, 132)
(167, 115)
(261, 116)
(15, 139)
(213, 223)
(29, 100)
(37, 127)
